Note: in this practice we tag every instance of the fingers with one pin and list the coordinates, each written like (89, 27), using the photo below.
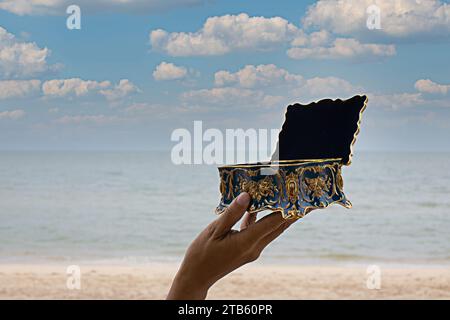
(249, 219)
(264, 226)
(232, 214)
(267, 239)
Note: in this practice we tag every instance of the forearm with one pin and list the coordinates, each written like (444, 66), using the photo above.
(184, 288)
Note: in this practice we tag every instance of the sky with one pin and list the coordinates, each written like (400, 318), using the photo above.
(137, 70)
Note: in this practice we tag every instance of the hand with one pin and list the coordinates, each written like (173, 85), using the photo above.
(218, 249)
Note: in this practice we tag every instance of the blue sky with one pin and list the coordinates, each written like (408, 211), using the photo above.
(62, 89)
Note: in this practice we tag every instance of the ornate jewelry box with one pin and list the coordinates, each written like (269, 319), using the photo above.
(304, 173)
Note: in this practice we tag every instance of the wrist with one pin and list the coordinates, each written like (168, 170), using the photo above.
(185, 287)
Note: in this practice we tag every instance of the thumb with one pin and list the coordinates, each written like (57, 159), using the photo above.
(232, 214)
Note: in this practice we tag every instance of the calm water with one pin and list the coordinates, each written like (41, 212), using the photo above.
(107, 207)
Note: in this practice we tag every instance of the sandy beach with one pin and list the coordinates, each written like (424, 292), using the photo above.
(251, 282)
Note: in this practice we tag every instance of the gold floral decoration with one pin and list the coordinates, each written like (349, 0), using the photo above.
(258, 189)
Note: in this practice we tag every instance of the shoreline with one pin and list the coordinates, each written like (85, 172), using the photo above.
(140, 261)
(256, 281)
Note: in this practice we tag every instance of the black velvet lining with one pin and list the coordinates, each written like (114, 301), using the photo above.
(320, 130)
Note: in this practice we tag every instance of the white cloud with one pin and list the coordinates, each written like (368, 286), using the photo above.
(28, 7)
(18, 88)
(12, 115)
(314, 39)
(399, 18)
(222, 34)
(327, 87)
(270, 78)
(21, 59)
(92, 119)
(74, 86)
(230, 97)
(253, 86)
(77, 87)
(120, 91)
(397, 100)
(58, 7)
(428, 86)
(267, 86)
(257, 76)
(414, 99)
(59, 88)
(342, 48)
(169, 71)
(144, 110)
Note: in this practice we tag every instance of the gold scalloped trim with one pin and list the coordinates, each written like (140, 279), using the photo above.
(279, 163)
(308, 209)
(357, 130)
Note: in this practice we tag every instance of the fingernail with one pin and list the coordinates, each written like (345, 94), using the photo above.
(243, 199)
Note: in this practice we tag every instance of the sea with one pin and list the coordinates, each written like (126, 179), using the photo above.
(139, 207)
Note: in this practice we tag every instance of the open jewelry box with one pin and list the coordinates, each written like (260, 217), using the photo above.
(304, 174)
